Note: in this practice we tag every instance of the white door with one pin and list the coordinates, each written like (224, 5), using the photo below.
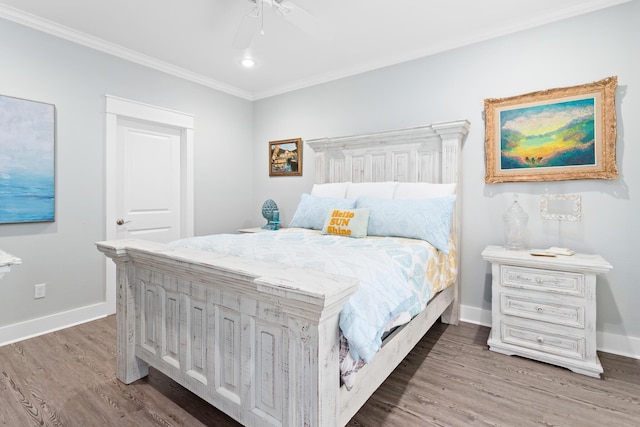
(149, 177)
(148, 189)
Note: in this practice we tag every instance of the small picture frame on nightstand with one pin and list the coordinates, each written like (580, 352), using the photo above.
(561, 207)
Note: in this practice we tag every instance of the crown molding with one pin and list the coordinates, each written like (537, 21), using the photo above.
(581, 9)
(29, 20)
(63, 32)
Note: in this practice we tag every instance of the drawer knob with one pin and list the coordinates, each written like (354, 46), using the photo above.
(540, 340)
(539, 309)
(539, 280)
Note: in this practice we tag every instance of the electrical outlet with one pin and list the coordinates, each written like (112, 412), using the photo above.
(40, 291)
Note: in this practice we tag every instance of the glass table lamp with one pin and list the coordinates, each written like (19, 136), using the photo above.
(515, 225)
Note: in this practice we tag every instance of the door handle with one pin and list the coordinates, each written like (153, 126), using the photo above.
(121, 221)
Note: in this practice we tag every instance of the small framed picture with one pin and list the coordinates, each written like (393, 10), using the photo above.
(553, 135)
(561, 207)
(285, 157)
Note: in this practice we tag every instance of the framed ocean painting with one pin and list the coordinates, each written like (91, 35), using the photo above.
(27, 161)
(552, 135)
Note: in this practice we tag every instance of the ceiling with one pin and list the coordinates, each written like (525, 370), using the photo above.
(193, 38)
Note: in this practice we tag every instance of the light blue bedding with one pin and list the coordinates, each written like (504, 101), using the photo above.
(391, 273)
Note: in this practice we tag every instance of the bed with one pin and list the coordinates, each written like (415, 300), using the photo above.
(260, 340)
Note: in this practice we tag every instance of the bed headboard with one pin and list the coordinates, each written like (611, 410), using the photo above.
(421, 154)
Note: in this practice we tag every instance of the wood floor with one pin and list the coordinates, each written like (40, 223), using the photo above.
(450, 379)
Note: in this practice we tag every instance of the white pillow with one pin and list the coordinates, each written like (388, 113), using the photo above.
(423, 190)
(382, 190)
(336, 190)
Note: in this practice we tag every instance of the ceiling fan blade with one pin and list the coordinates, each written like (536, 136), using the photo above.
(248, 28)
(303, 20)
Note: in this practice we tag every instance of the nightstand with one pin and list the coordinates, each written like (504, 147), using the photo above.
(252, 230)
(544, 308)
(255, 230)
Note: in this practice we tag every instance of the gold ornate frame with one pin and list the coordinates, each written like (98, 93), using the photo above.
(285, 157)
(540, 168)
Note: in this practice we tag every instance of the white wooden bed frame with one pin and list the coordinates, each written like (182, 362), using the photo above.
(260, 341)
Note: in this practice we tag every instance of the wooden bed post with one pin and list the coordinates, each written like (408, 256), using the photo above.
(129, 368)
(452, 138)
(312, 400)
(312, 364)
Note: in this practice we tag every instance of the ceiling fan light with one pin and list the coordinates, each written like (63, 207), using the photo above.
(248, 63)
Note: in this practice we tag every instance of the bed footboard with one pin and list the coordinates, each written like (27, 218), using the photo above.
(258, 341)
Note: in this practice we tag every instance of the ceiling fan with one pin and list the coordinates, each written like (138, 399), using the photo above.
(253, 20)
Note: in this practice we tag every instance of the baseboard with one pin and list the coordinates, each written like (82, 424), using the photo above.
(618, 344)
(609, 343)
(475, 315)
(44, 325)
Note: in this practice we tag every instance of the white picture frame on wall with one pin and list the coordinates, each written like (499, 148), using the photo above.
(561, 207)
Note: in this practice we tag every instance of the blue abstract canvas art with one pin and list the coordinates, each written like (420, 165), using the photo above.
(549, 135)
(27, 159)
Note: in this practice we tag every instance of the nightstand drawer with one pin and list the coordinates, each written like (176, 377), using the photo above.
(559, 314)
(558, 282)
(529, 337)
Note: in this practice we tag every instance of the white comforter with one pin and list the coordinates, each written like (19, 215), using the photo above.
(392, 273)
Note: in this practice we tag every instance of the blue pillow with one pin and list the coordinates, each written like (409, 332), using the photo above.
(425, 219)
(312, 210)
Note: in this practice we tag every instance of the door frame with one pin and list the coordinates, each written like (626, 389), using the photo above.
(116, 108)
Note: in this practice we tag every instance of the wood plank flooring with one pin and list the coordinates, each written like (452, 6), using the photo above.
(67, 378)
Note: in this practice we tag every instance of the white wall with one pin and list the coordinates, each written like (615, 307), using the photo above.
(453, 85)
(61, 254)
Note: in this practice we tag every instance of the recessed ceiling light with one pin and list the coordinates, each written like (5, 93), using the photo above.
(248, 63)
